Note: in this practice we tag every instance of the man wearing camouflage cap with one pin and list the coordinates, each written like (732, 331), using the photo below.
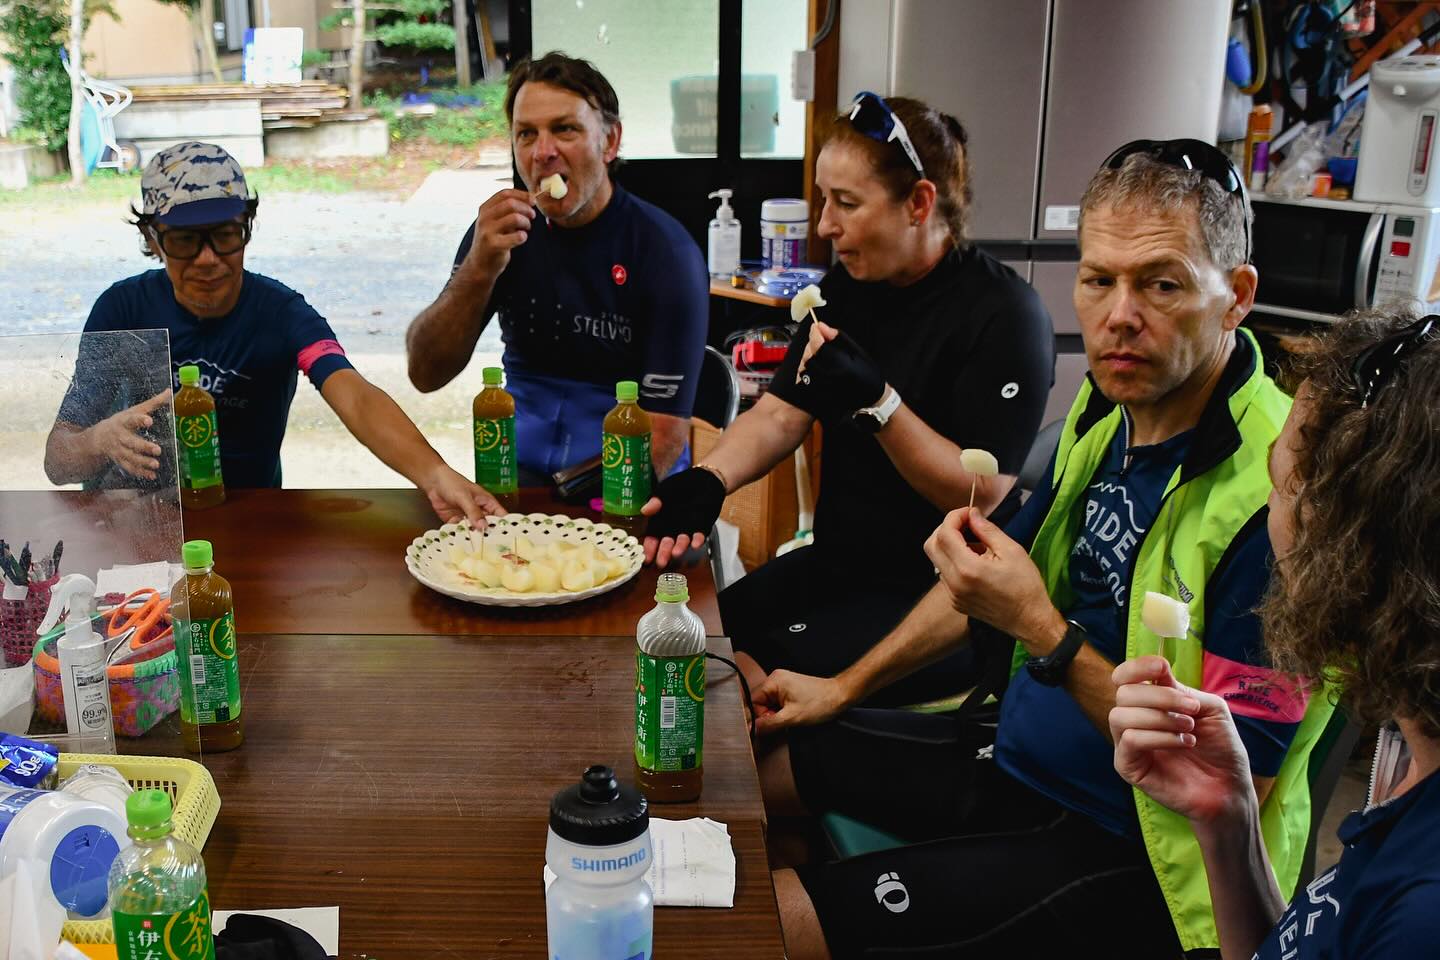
(249, 335)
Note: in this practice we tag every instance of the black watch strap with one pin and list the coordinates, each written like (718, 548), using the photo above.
(1051, 669)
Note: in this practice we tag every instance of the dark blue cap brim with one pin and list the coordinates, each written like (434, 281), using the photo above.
(198, 213)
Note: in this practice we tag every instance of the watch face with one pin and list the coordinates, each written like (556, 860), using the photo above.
(866, 421)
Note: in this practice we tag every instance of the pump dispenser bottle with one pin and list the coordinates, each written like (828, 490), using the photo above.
(83, 680)
(724, 255)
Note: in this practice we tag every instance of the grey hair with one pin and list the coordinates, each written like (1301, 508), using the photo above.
(1147, 184)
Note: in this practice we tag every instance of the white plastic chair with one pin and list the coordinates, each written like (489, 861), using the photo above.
(108, 100)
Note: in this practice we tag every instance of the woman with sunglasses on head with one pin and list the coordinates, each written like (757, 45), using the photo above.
(251, 337)
(1354, 598)
(925, 347)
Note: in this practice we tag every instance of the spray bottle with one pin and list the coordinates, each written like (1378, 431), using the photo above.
(83, 678)
(724, 256)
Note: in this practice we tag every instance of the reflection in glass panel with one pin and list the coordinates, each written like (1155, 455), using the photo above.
(663, 64)
(772, 122)
(74, 500)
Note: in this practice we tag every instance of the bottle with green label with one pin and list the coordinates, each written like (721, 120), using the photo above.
(203, 609)
(625, 460)
(159, 903)
(198, 443)
(495, 467)
(670, 696)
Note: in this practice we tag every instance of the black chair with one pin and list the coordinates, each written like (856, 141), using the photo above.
(717, 395)
(1327, 761)
(1031, 473)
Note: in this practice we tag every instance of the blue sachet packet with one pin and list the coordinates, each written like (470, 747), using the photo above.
(25, 763)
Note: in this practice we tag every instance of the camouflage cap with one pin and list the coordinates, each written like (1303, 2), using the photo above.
(193, 183)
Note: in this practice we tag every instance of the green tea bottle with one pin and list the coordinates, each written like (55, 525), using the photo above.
(203, 608)
(159, 903)
(201, 485)
(495, 468)
(625, 460)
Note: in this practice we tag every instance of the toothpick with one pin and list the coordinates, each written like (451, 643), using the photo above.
(973, 480)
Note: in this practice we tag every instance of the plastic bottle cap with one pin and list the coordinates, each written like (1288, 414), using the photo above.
(627, 391)
(599, 811)
(493, 376)
(148, 808)
(672, 588)
(189, 375)
(197, 554)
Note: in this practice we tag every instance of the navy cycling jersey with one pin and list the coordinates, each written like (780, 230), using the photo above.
(249, 361)
(624, 297)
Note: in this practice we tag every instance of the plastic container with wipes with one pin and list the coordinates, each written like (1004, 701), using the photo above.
(70, 843)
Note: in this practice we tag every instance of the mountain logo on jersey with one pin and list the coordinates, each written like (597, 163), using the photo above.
(619, 274)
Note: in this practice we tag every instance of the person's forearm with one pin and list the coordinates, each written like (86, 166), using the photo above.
(1088, 678)
(1243, 890)
(930, 631)
(757, 441)
(930, 463)
(376, 420)
(441, 339)
(669, 436)
(70, 457)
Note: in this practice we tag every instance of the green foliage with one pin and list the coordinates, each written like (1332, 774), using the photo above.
(400, 23)
(34, 32)
(314, 58)
(422, 36)
(458, 125)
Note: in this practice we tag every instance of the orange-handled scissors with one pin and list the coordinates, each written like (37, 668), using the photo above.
(150, 620)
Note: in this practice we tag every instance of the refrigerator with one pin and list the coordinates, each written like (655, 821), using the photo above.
(1046, 89)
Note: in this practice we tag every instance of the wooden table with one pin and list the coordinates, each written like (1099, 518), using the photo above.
(408, 780)
(322, 561)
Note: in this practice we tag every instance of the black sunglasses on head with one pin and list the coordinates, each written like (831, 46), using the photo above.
(185, 243)
(1189, 154)
(1374, 368)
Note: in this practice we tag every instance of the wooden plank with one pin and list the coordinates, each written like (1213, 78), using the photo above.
(818, 114)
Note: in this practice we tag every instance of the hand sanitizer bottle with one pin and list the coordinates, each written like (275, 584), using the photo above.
(83, 679)
(724, 255)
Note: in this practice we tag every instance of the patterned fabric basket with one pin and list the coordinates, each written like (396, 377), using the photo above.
(19, 619)
(142, 692)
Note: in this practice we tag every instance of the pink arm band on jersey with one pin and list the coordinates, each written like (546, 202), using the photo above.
(1256, 692)
(306, 358)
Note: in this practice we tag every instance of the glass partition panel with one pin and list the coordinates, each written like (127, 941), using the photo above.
(88, 487)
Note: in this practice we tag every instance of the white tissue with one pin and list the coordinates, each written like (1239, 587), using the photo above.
(693, 866)
(33, 922)
(17, 700)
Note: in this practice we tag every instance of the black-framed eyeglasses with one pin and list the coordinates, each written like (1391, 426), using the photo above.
(872, 116)
(185, 243)
(1189, 154)
(1374, 368)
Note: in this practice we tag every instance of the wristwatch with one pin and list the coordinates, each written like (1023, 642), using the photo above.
(1050, 669)
(872, 419)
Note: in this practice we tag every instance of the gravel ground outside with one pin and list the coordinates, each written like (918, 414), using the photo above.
(367, 260)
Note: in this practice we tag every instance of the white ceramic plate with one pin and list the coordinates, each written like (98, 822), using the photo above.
(426, 557)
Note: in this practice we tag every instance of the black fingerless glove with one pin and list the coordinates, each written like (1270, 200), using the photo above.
(843, 378)
(689, 504)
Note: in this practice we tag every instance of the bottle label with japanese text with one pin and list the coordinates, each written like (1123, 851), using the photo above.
(199, 451)
(208, 669)
(625, 462)
(166, 936)
(495, 455)
(669, 712)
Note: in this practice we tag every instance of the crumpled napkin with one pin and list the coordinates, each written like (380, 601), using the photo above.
(693, 865)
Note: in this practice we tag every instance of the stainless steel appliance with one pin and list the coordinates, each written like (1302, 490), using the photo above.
(1319, 259)
(1047, 89)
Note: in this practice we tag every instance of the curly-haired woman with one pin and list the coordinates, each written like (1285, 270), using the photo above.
(1355, 598)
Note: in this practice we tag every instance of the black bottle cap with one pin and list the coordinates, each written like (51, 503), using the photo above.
(599, 811)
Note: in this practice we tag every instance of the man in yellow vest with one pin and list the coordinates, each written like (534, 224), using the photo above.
(1035, 846)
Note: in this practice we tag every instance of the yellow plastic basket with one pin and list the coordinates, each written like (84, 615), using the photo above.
(192, 791)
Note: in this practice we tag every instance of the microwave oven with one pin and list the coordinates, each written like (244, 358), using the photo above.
(1319, 259)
